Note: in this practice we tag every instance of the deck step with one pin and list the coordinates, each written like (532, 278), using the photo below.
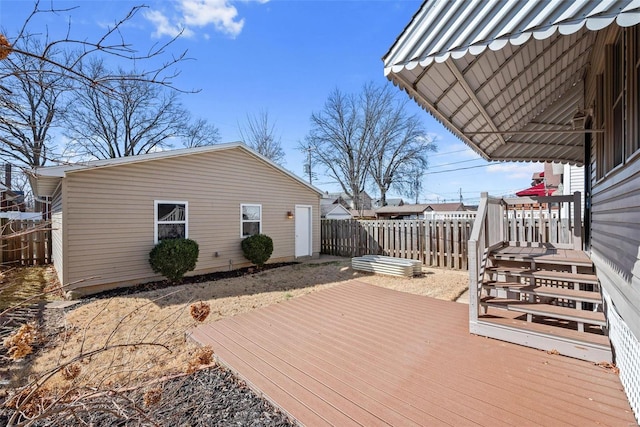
(560, 276)
(547, 291)
(597, 340)
(593, 347)
(542, 259)
(547, 310)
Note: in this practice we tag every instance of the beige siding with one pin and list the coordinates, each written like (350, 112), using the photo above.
(56, 234)
(109, 213)
(615, 216)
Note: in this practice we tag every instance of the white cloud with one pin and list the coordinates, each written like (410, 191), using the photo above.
(189, 15)
(221, 13)
(516, 170)
(164, 27)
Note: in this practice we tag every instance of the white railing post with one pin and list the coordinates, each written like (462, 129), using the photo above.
(577, 221)
(473, 281)
(477, 243)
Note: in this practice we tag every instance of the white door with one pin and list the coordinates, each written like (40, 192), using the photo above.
(303, 231)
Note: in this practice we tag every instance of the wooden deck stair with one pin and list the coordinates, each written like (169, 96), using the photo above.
(544, 297)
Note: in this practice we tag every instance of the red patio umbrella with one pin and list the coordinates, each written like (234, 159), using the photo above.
(536, 190)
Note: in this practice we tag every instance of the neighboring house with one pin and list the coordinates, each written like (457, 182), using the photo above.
(347, 201)
(559, 82)
(543, 183)
(335, 211)
(333, 208)
(408, 211)
(390, 202)
(363, 214)
(10, 199)
(108, 214)
(418, 211)
(572, 181)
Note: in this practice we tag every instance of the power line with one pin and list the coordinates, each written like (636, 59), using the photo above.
(455, 163)
(449, 152)
(456, 170)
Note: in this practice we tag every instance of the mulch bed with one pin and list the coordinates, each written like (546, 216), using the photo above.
(210, 397)
(161, 284)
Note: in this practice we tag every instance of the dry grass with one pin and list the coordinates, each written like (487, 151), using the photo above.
(21, 284)
(158, 320)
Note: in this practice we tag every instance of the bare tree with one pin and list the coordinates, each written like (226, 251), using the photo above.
(411, 185)
(31, 97)
(200, 133)
(401, 144)
(259, 133)
(339, 141)
(37, 73)
(366, 138)
(128, 117)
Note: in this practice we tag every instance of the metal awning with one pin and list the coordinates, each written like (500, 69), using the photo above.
(505, 76)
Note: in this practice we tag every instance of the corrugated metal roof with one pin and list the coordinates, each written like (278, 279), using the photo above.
(490, 69)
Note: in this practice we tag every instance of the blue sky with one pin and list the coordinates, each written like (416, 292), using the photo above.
(285, 57)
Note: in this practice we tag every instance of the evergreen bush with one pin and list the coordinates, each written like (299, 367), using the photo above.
(174, 257)
(257, 248)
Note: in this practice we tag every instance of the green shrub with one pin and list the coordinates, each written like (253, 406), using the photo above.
(257, 248)
(174, 257)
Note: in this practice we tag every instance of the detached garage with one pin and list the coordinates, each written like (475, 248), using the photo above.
(108, 214)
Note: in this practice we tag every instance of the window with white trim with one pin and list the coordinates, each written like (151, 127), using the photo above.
(635, 92)
(622, 101)
(250, 220)
(171, 220)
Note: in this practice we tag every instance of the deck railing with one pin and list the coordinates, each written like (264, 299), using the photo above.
(555, 220)
(550, 219)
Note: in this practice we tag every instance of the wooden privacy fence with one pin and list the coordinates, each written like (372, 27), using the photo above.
(437, 243)
(25, 242)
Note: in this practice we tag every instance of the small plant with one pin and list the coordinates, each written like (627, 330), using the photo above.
(200, 311)
(174, 257)
(19, 344)
(257, 248)
(152, 397)
(202, 357)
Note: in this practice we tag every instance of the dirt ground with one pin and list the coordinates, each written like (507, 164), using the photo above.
(121, 341)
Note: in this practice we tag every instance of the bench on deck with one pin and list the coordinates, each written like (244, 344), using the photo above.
(387, 265)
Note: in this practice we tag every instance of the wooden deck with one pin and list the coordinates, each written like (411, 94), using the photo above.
(358, 354)
(544, 254)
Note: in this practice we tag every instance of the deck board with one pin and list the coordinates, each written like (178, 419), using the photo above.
(358, 354)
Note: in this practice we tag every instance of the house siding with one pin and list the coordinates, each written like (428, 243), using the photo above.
(56, 234)
(109, 213)
(615, 213)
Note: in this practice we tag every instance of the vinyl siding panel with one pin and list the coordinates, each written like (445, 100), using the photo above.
(109, 216)
(56, 234)
(615, 215)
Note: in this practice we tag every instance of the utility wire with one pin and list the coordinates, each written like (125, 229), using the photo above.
(449, 152)
(454, 163)
(458, 169)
